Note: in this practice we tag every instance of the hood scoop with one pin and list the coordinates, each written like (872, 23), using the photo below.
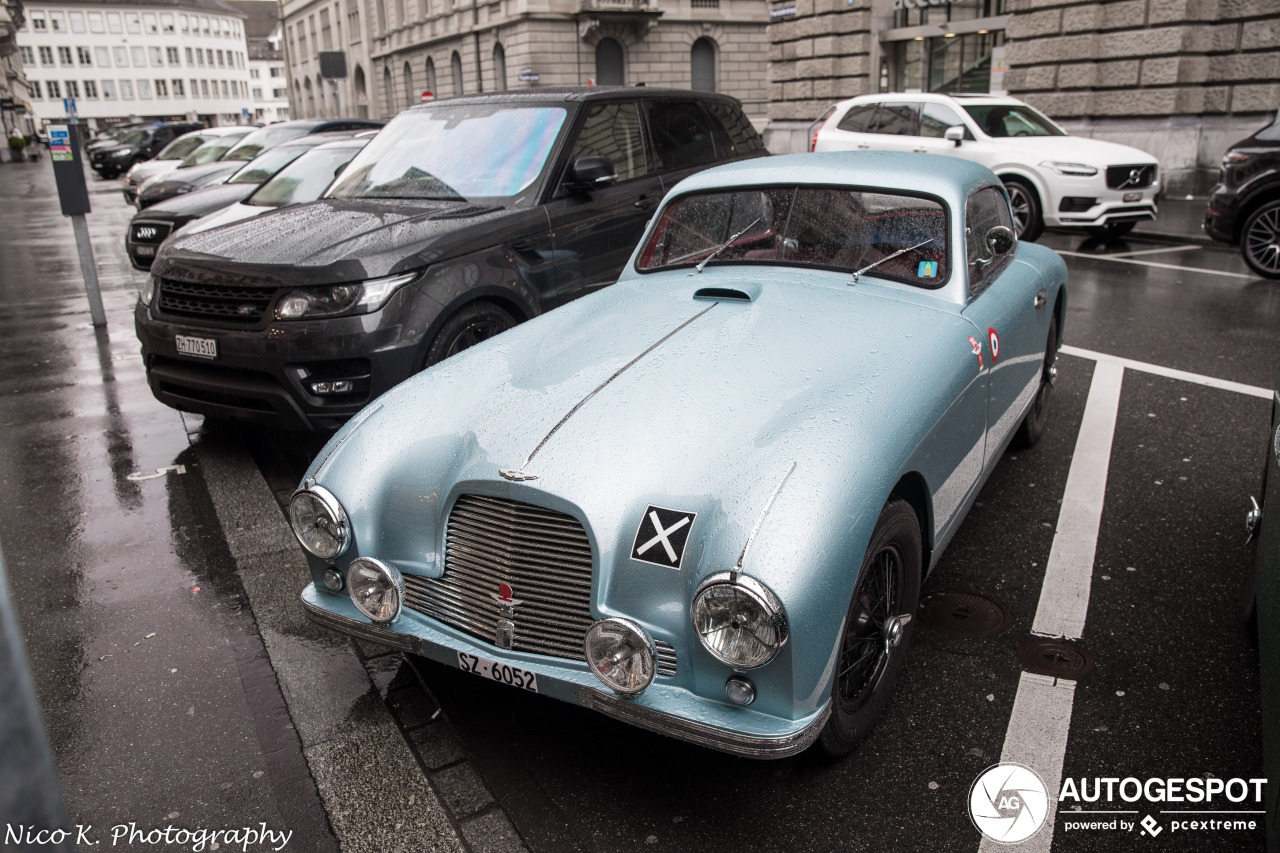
(747, 292)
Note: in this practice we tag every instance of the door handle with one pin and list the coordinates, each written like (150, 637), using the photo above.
(920, 150)
(1042, 297)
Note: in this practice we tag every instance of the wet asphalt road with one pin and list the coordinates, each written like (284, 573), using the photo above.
(98, 561)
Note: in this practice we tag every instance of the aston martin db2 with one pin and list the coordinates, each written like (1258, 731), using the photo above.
(702, 500)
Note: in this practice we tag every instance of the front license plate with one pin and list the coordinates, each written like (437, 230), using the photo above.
(145, 251)
(1132, 197)
(196, 347)
(499, 672)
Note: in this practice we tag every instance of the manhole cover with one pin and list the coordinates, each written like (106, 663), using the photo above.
(1055, 658)
(963, 614)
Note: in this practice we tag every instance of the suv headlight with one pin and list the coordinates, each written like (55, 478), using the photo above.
(1070, 170)
(124, 152)
(319, 522)
(338, 299)
(147, 292)
(740, 621)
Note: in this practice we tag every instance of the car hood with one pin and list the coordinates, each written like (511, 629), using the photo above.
(337, 240)
(237, 212)
(194, 174)
(198, 203)
(148, 169)
(646, 393)
(1075, 149)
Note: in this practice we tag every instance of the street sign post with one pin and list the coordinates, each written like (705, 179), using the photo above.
(73, 195)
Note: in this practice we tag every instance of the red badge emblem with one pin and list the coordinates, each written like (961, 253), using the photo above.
(995, 345)
(977, 348)
(504, 591)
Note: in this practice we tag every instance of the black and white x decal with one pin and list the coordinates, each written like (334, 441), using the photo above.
(661, 536)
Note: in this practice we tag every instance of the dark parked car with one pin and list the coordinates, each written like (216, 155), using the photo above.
(460, 219)
(1244, 206)
(175, 154)
(184, 181)
(152, 226)
(1263, 523)
(111, 161)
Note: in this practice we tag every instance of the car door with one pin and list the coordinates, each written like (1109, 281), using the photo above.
(683, 139)
(1011, 327)
(895, 126)
(930, 136)
(596, 229)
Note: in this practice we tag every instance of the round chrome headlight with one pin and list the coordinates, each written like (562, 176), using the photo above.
(739, 621)
(319, 522)
(621, 654)
(376, 589)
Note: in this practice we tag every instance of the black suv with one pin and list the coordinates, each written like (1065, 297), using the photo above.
(1244, 206)
(460, 219)
(142, 143)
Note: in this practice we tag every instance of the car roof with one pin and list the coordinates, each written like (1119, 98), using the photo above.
(317, 124)
(948, 178)
(311, 140)
(577, 94)
(348, 142)
(932, 97)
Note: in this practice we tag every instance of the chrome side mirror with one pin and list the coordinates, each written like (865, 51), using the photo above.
(955, 133)
(1000, 240)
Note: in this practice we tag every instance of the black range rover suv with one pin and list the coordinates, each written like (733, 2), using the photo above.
(462, 218)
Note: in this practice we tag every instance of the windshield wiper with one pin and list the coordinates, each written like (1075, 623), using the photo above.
(726, 244)
(868, 267)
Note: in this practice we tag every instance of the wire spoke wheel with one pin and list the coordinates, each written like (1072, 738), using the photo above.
(865, 651)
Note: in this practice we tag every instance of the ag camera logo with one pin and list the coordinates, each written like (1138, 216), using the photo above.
(1008, 803)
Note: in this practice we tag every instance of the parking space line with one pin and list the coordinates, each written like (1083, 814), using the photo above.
(1150, 251)
(1116, 260)
(1169, 372)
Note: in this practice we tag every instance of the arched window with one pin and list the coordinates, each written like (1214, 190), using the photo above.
(456, 62)
(499, 68)
(388, 93)
(702, 62)
(401, 17)
(431, 75)
(410, 96)
(382, 15)
(320, 95)
(362, 93)
(609, 63)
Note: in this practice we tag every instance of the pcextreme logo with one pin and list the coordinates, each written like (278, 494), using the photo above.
(1008, 803)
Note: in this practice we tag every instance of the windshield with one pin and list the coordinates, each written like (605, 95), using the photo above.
(209, 151)
(1003, 120)
(136, 138)
(454, 152)
(180, 147)
(304, 179)
(266, 164)
(261, 140)
(824, 227)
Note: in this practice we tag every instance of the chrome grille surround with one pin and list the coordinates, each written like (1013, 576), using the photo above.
(543, 555)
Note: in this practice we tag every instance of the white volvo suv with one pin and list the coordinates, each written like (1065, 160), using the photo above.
(1052, 178)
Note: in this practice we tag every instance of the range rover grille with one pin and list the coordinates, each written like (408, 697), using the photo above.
(226, 303)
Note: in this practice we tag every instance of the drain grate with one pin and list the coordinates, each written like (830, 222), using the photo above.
(963, 614)
(1055, 658)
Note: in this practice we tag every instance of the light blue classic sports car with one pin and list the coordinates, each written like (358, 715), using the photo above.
(702, 500)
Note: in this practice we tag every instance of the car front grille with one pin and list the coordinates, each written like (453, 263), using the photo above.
(149, 232)
(1133, 177)
(229, 304)
(544, 557)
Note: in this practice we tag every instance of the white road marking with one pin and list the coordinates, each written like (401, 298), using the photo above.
(1064, 596)
(1114, 259)
(1149, 251)
(1171, 373)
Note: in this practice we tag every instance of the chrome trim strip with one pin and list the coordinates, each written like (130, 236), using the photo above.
(760, 521)
(363, 630)
(616, 374)
(712, 737)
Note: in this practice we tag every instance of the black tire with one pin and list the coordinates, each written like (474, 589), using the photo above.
(1260, 240)
(1033, 424)
(891, 569)
(473, 323)
(1027, 221)
(1113, 229)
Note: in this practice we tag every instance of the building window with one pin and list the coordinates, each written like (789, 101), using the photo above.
(225, 93)
(139, 57)
(353, 21)
(162, 89)
(275, 71)
(381, 6)
(610, 63)
(279, 93)
(113, 23)
(35, 89)
(28, 55)
(199, 57)
(104, 56)
(172, 54)
(132, 24)
(84, 56)
(90, 89)
(77, 21)
(144, 88)
(204, 88)
(185, 23)
(46, 56)
(409, 98)
(96, 24)
(39, 24)
(54, 91)
(221, 60)
(257, 93)
(56, 22)
(702, 62)
(122, 56)
(64, 55)
(151, 24)
(157, 56)
(126, 90)
(499, 67)
(73, 89)
(326, 31)
(431, 75)
(388, 89)
(108, 90)
(166, 23)
(177, 88)
(456, 64)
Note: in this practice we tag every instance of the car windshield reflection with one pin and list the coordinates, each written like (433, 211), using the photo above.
(901, 237)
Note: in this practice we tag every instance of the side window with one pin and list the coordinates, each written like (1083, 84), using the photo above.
(859, 119)
(613, 131)
(896, 119)
(936, 118)
(681, 135)
(985, 209)
(742, 135)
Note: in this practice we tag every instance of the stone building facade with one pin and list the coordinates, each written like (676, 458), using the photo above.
(413, 49)
(1181, 79)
